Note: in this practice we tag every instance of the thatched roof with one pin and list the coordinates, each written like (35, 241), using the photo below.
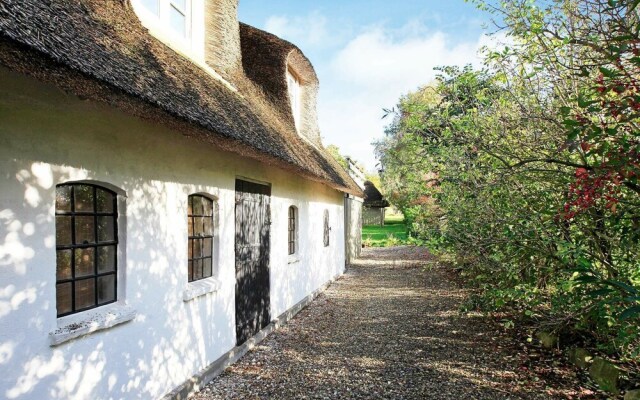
(372, 196)
(99, 50)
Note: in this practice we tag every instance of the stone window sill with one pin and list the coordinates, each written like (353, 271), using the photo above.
(88, 322)
(200, 288)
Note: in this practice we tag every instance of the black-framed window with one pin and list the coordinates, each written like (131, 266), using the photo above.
(86, 247)
(293, 217)
(201, 227)
(326, 228)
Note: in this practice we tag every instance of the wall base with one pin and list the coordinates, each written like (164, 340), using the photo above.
(216, 368)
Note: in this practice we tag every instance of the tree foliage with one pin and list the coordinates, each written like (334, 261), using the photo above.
(528, 170)
(335, 153)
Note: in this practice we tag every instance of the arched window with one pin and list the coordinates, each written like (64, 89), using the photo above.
(326, 228)
(293, 229)
(201, 227)
(86, 247)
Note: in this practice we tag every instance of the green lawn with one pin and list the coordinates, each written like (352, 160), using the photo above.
(393, 233)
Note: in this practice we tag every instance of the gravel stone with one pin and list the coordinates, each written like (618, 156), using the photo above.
(390, 328)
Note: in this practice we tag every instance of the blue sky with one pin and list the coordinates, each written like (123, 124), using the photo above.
(367, 53)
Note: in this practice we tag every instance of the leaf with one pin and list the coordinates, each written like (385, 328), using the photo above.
(607, 72)
(622, 286)
(631, 312)
(599, 292)
(565, 110)
(584, 103)
(587, 279)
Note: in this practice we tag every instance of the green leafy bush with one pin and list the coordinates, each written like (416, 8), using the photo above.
(527, 171)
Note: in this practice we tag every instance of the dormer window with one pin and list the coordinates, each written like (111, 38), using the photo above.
(294, 95)
(171, 13)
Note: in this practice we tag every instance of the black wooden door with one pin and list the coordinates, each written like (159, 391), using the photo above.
(253, 219)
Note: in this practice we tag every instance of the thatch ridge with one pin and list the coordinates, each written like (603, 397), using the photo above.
(98, 50)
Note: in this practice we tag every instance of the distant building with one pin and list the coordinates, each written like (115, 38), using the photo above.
(374, 205)
(353, 214)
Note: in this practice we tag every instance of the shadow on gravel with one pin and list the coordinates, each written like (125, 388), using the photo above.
(389, 329)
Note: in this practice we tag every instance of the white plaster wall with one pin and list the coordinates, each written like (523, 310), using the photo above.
(47, 138)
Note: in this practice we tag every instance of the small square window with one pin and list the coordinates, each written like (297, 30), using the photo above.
(327, 228)
(293, 232)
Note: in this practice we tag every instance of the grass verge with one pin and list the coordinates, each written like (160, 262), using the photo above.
(393, 233)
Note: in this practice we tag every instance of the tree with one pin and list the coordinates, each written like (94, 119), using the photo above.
(335, 153)
(527, 170)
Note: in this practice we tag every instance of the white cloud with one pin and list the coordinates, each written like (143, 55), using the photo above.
(309, 30)
(372, 71)
(362, 73)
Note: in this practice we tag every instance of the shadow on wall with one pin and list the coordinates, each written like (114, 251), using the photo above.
(170, 340)
(157, 351)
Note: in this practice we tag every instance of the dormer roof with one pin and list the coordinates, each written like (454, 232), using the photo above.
(98, 50)
(266, 59)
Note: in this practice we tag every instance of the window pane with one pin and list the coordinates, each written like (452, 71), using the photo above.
(106, 229)
(198, 227)
(63, 264)
(63, 198)
(208, 226)
(152, 5)
(180, 4)
(190, 271)
(198, 208)
(190, 222)
(178, 21)
(105, 201)
(84, 262)
(85, 293)
(190, 248)
(106, 259)
(207, 206)
(106, 289)
(197, 269)
(63, 298)
(208, 247)
(197, 248)
(207, 268)
(83, 198)
(63, 230)
(84, 230)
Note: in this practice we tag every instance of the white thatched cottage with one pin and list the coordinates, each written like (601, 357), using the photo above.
(164, 194)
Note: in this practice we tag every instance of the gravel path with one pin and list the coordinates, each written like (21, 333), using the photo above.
(389, 329)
